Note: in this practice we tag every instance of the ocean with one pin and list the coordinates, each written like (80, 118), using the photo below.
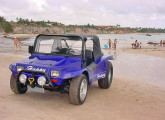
(123, 40)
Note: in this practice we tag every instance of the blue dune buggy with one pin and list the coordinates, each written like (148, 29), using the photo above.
(63, 63)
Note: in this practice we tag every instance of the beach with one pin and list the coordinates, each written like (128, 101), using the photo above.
(126, 100)
(137, 91)
(151, 51)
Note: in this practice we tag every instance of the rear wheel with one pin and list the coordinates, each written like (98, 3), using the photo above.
(17, 87)
(106, 82)
(78, 89)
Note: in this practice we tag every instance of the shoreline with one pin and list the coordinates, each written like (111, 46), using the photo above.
(20, 35)
(11, 36)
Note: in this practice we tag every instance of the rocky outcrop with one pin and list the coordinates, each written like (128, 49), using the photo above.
(26, 29)
(36, 29)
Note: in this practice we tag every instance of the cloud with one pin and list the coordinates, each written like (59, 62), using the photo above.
(132, 13)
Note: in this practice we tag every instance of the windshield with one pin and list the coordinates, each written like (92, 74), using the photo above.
(59, 45)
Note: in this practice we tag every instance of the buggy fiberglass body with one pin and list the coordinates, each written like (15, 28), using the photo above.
(65, 63)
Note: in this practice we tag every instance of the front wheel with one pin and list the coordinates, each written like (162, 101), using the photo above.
(16, 86)
(78, 89)
(106, 82)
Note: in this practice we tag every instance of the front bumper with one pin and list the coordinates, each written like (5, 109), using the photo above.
(49, 85)
(34, 74)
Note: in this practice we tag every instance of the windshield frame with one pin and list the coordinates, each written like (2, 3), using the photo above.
(76, 37)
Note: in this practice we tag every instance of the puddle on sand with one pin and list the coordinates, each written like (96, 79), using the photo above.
(139, 67)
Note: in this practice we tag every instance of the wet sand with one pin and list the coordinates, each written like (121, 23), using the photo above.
(127, 99)
(20, 35)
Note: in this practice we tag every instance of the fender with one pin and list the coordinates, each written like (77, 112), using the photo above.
(106, 58)
(70, 73)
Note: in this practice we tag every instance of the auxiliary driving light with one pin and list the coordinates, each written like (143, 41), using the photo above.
(41, 81)
(22, 78)
(19, 68)
(54, 73)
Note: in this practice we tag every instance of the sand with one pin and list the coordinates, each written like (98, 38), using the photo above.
(151, 51)
(125, 100)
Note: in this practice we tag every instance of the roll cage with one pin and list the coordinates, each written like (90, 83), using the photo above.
(96, 53)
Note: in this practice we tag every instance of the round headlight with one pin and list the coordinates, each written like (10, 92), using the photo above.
(22, 78)
(41, 81)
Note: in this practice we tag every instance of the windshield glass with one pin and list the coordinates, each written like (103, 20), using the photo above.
(59, 45)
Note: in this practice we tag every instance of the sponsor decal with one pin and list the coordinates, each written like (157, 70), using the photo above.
(101, 76)
(36, 69)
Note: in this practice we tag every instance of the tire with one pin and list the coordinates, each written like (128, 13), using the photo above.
(17, 87)
(105, 83)
(78, 89)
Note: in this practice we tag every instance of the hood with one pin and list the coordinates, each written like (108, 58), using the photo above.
(45, 62)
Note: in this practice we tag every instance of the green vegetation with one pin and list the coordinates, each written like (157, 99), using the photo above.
(22, 21)
(56, 24)
(2, 19)
(41, 23)
(151, 30)
(5, 25)
(83, 26)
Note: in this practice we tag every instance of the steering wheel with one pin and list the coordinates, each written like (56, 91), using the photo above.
(73, 51)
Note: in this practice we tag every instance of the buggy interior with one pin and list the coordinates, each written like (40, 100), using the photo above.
(89, 56)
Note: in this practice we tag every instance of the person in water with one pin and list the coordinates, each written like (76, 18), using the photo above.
(19, 44)
(15, 42)
(110, 43)
(115, 42)
(140, 45)
(161, 42)
(136, 43)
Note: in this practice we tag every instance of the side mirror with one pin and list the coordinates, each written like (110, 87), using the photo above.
(30, 49)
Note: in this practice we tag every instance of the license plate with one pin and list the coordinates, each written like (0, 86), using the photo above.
(36, 89)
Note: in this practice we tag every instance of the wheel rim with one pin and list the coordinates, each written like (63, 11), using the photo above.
(109, 77)
(83, 89)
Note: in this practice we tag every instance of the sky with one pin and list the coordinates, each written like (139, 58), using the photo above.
(127, 13)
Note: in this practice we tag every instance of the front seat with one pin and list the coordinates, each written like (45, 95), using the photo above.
(89, 57)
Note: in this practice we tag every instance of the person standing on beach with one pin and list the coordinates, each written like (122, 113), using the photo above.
(15, 42)
(109, 42)
(115, 42)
